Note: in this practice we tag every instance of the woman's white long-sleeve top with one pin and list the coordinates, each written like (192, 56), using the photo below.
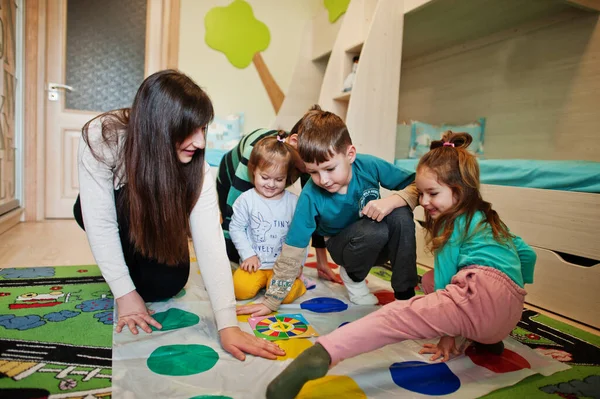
(97, 182)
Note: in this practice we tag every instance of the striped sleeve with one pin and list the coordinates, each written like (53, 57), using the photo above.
(241, 180)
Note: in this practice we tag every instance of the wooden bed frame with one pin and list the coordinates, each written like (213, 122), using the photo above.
(550, 221)
(440, 67)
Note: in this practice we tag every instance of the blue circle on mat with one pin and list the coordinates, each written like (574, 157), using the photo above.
(324, 305)
(425, 378)
(343, 324)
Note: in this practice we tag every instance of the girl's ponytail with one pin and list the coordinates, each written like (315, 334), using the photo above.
(451, 139)
(282, 136)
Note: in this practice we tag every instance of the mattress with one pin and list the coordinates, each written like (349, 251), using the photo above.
(213, 156)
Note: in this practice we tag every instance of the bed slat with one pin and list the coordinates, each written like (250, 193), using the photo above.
(561, 221)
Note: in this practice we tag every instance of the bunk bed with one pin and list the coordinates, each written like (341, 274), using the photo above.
(398, 42)
(528, 68)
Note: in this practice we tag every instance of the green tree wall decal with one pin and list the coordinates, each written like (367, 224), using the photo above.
(336, 8)
(234, 31)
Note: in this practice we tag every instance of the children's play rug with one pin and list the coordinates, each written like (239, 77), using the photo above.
(56, 330)
(55, 333)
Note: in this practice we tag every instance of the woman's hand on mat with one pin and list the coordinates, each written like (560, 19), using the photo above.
(237, 342)
(133, 312)
(251, 264)
(444, 349)
(378, 209)
(257, 309)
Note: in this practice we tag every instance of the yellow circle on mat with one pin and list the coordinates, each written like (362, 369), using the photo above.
(244, 317)
(293, 347)
(332, 386)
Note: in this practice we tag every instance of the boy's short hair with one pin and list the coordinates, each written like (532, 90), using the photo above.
(321, 135)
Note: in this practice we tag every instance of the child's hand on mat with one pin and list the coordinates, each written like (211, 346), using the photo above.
(236, 342)
(378, 209)
(132, 311)
(444, 349)
(325, 272)
(251, 264)
(257, 309)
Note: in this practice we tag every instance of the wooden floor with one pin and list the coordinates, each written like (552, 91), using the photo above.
(63, 243)
(51, 243)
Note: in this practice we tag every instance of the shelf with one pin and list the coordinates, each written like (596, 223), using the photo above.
(343, 96)
(426, 30)
(323, 35)
(322, 56)
(355, 49)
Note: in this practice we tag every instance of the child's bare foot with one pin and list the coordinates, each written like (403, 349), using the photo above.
(313, 363)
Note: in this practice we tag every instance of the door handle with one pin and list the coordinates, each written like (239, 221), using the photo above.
(53, 90)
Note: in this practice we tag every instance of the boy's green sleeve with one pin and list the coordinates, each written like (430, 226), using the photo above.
(303, 223)
(393, 177)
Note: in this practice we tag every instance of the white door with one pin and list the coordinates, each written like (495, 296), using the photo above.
(98, 53)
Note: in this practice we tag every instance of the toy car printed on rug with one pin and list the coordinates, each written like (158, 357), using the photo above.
(56, 332)
(281, 326)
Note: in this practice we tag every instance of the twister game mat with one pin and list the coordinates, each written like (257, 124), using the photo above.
(185, 360)
(55, 333)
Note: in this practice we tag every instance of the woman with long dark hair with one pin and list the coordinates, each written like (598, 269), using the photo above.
(144, 189)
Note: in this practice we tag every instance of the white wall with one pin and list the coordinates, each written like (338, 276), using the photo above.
(235, 90)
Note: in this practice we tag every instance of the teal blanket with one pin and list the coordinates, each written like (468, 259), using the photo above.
(582, 176)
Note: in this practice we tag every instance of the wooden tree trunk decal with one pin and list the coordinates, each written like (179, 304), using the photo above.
(275, 94)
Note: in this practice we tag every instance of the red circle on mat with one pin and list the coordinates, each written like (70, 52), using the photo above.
(56, 288)
(384, 297)
(507, 362)
(313, 265)
(311, 255)
(82, 271)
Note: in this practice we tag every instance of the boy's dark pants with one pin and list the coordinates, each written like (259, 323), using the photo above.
(366, 243)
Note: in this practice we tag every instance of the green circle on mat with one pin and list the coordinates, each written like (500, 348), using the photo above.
(211, 397)
(175, 318)
(182, 359)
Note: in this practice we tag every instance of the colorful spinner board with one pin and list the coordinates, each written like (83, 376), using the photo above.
(281, 326)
